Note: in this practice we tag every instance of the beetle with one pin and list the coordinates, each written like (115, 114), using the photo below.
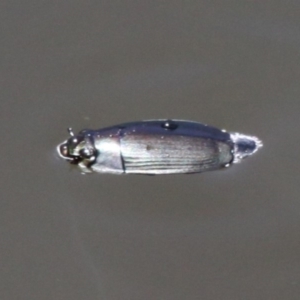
(156, 147)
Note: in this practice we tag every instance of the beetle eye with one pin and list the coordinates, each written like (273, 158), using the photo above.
(86, 153)
(74, 140)
(64, 150)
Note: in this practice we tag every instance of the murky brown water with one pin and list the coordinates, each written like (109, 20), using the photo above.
(231, 234)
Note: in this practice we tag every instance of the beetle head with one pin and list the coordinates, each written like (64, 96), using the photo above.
(78, 149)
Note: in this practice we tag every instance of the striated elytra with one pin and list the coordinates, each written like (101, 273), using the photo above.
(156, 147)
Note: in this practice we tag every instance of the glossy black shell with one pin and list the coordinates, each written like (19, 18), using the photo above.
(165, 147)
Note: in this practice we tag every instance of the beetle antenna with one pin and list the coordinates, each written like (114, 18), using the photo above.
(70, 130)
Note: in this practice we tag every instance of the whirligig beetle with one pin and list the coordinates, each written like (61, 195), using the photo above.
(156, 147)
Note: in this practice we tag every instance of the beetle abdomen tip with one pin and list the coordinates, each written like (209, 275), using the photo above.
(244, 145)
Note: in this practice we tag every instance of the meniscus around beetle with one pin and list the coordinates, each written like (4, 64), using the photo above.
(156, 147)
